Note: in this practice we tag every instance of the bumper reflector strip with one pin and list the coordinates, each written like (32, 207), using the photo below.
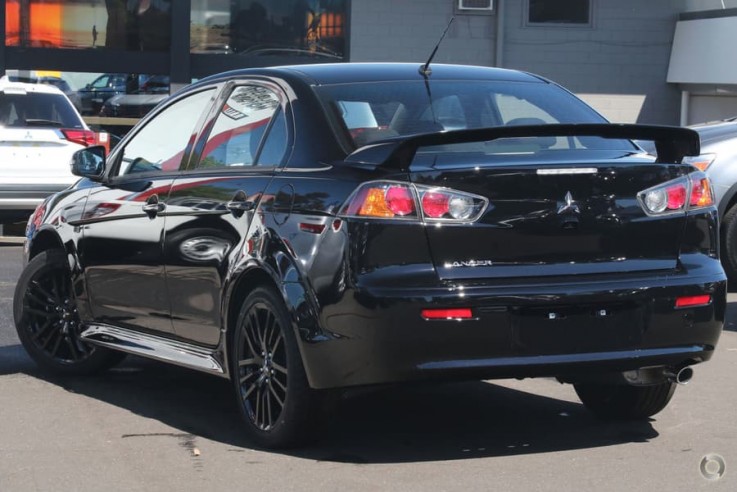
(456, 313)
(691, 301)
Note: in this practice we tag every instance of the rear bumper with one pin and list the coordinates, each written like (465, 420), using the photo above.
(374, 336)
(17, 202)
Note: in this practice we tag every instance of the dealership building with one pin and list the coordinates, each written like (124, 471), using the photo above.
(653, 61)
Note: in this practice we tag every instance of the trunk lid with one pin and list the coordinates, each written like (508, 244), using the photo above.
(552, 213)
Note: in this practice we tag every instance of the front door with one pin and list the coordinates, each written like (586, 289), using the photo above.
(123, 223)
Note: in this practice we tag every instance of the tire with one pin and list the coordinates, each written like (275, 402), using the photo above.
(277, 405)
(729, 243)
(623, 402)
(47, 321)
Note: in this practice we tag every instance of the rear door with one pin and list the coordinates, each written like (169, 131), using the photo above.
(123, 223)
(213, 207)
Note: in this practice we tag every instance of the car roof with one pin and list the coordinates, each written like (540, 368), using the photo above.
(342, 73)
(713, 132)
(8, 86)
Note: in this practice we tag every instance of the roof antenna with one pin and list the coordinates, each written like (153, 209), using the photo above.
(425, 69)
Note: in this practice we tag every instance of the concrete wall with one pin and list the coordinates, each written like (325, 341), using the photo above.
(408, 30)
(618, 65)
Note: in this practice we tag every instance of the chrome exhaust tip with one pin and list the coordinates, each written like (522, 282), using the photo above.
(679, 376)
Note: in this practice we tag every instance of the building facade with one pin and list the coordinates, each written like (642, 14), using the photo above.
(614, 54)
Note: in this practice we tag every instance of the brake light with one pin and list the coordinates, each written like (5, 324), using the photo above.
(400, 201)
(691, 301)
(390, 199)
(81, 137)
(435, 204)
(676, 196)
(679, 195)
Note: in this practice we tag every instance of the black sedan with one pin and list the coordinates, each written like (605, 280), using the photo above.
(310, 228)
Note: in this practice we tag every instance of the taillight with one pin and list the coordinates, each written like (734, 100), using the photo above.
(701, 162)
(701, 195)
(679, 195)
(81, 137)
(35, 220)
(382, 199)
(389, 199)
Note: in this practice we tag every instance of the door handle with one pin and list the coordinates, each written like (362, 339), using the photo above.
(153, 206)
(240, 204)
(234, 206)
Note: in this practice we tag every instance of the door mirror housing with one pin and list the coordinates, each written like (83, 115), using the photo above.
(89, 162)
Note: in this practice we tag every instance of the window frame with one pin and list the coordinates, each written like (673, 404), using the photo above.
(588, 25)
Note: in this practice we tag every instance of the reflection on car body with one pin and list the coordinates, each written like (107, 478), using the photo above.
(310, 228)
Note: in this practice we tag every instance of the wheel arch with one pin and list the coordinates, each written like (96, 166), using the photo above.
(276, 273)
(728, 201)
(44, 240)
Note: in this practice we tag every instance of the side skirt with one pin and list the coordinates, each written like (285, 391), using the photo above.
(171, 351)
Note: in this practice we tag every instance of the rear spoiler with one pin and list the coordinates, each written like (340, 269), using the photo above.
(671, 143)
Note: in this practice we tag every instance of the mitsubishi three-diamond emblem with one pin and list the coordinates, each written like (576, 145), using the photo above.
(570, 206)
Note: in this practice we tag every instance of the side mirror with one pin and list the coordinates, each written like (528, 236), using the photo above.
(89, 162)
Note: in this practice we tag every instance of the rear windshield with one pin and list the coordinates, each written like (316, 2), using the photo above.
(35, 109)
(375, 111)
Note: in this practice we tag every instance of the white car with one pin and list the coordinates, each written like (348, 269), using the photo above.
(39, 131)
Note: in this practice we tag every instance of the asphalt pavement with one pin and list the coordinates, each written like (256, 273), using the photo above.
(146, 426)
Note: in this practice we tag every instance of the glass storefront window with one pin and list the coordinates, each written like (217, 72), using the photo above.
(311, 28)
(133, 25)
(110, 102)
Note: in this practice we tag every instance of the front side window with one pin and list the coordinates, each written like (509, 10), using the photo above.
(575, 12)
(242, 123)
(161, 144)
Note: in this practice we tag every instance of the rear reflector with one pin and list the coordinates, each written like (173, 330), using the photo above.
(691, 301)
(457, 313)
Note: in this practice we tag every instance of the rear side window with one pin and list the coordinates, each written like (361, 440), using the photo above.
(240, 130)
(34, 109)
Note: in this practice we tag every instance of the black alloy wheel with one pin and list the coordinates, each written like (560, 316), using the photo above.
(273, 395)
(48, 322)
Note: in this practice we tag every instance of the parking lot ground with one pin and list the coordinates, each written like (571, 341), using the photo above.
(149, 426)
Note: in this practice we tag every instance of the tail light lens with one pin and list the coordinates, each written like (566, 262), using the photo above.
(34, 221)
(701, 162)
(701, 195)
(396, 200)
(679, 195)
(81, 137)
